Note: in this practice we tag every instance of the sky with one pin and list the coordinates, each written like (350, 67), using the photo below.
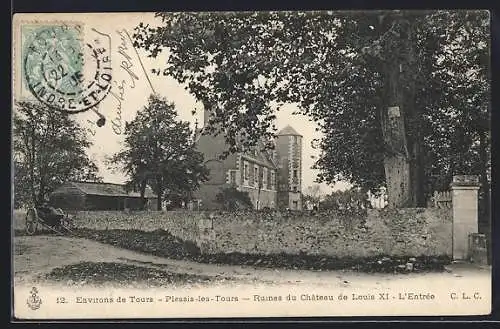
(132, 71)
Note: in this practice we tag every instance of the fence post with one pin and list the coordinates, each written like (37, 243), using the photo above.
(465, 213)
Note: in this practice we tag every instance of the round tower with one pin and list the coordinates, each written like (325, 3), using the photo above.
(289, 143)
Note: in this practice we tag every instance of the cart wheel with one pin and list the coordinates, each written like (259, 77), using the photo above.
(31, 221)
(66, 222)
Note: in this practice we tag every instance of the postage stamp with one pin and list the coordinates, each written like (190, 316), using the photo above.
(54, 58)
(221, 165)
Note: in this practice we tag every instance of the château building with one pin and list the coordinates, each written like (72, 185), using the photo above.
(273, 178)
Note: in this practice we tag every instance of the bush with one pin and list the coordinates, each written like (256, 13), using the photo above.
(159, 243)
(231, 199)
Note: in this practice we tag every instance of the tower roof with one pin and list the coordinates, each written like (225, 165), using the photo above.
(288, 130)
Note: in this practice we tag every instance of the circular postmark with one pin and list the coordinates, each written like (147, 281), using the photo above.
(65, 73)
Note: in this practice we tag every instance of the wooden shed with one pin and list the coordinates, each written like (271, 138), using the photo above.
(99, 196)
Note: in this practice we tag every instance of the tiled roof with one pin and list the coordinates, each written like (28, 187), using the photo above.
(109, 189)
(209, 143)
(261, 158)
(288, 130)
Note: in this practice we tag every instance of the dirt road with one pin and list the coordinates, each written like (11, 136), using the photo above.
(38, 255)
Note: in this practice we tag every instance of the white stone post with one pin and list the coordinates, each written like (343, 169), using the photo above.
(465, 213)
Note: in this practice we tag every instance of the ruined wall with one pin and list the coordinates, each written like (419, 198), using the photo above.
(183, 224)
(404, 232)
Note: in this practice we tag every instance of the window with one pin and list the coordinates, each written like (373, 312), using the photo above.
(264, 178)
(256, 175)
(295, 174)
(246, 172)
(232, 177)
(273, 179)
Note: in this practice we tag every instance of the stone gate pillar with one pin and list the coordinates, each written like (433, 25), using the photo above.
(465, 213)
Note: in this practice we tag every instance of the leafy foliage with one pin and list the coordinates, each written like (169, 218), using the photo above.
(313, 196)
(160, 152)
(349, 200)
(459, 120)
(334, 66)
(309, 201)
(49, 148)
(232, 199)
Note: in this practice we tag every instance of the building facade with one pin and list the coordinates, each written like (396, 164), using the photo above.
(271, 178)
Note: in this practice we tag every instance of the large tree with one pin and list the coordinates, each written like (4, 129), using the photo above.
(160, 151)
(372, 81)
(462, 78)
(49, 148)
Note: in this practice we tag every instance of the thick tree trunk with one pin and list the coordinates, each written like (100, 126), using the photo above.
(158, 202)
(413, 121)
(32, 165)
(143, 194)
(485, 212)
(403, 170)
(159, 190)
(396, 160)
(417, 175)
(414, 138)
(41, 191)
(484, 215)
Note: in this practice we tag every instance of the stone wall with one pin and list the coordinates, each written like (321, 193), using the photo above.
(19, 220)
(405, 232)
(183, 224)
(397, 233)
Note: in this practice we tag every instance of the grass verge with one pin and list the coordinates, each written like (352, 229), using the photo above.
(98, 273)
